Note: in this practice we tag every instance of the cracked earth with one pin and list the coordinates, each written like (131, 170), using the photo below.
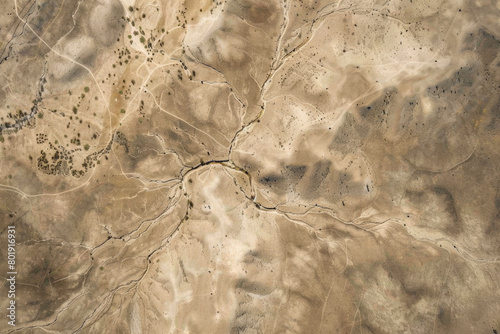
(251, 166)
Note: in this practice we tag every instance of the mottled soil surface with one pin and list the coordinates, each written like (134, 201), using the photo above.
(251, 166)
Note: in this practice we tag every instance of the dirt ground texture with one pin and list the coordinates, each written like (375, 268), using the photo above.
(251, 166)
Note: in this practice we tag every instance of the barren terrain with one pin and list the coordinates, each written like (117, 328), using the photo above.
(251, 166)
